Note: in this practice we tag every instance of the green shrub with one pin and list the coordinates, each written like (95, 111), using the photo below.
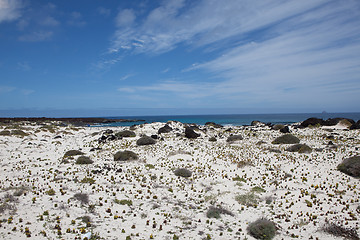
(82, 197)
(50, 192)
(5, 133)
(286, 139)
(84, 160)
(350, 166)
(258, 190)
(340, 231)
(145, 140)
(183, 172)
(262, 229)
(215, 212)
(87, 180)
(125, 156)
(212, 139)
(123, 202)
(249, 199)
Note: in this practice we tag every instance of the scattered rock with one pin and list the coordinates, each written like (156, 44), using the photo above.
(125, 133)
(72, 153)
(286, 139)
(190, 133)
(125, 156)
(350, 166)
(285, 129)
(355, 125)
(165, 129)
(214, 125)
(312, 122)
(257, 124)
(300, 148)
(277, 127)
(145, 140)
(84, 160)
(183, 172)
(234, 138)
(154, 136)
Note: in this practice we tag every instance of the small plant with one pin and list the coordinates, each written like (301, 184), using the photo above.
(249, 199)
(87, 180)
(258, 190)
(149, 166)
(123, 202)
(72, 153)
(262, 229)
(214, 212)
(50, 192)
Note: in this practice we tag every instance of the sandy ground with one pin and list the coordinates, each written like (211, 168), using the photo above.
(143, 199)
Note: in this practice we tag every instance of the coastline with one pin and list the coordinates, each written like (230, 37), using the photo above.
(44, 191)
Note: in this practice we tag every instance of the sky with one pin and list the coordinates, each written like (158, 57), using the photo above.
(150, 57)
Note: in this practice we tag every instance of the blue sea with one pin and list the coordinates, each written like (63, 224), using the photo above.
(234, 119)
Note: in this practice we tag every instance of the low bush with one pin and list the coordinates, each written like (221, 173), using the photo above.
(300, 148)
(72, 153)
(234, 138)
(145, 140)
(125, 133)
(215, 212)
(340, 231)
(82, 197)
(262, 229)
(123, 202)
(249, 199)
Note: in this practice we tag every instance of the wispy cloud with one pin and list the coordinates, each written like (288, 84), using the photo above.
(6, 89)
(49, 21)
(104, 11)
(266, 48)
(37, 36)
(10, 10)
(24, 66)
(76, 19)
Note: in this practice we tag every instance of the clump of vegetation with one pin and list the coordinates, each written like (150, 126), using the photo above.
(340, 231)
(5, 133)
(249, 199)
(183, 172)
(88, 180)
(258, 190)
(125, 133)
(212, 139)
(50, 192)
(125, 156)
(123, 202)
(72, 153)
(150, 166)
(286, 139)
(215, 212)
(82, 197)
(84, 160)
(300, 148)
(145, 140)
(234, 138)
(262, 229)
(350, 166)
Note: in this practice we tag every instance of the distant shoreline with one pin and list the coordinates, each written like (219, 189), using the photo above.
(74, 121)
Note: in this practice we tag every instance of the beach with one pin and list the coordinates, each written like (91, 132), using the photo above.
(60, 181)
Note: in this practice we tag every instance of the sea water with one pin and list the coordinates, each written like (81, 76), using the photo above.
(234, 119)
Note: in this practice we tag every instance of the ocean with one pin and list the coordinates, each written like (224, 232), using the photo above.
(234, 119)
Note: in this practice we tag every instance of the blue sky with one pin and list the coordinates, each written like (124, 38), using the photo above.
(136, 57)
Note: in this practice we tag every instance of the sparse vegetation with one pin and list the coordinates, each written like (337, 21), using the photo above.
(215, 212)
(249, 199)
(82, 197)
(340, 231)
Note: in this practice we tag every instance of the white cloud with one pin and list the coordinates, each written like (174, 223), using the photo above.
(38, 36)
(9, 10)
(104, 11)
(76, 19)
(125, 18)
(50, 21)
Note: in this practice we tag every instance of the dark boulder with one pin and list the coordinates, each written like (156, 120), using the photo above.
(154, 136)
(355, 125)
(212, 139)
(183, 172)
(257, 123)
(234, 138)
(334, 121)
(72, 153)
(125, 133)
(125, 156)
(190, 133)
(145, 140)
(312, 122)
(212, 124)
(277, 127)
(350, 166)
(165, 129)
(285, 129)
(300, 148)
(286, 139)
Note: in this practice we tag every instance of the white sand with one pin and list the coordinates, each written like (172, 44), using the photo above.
(161, 199)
